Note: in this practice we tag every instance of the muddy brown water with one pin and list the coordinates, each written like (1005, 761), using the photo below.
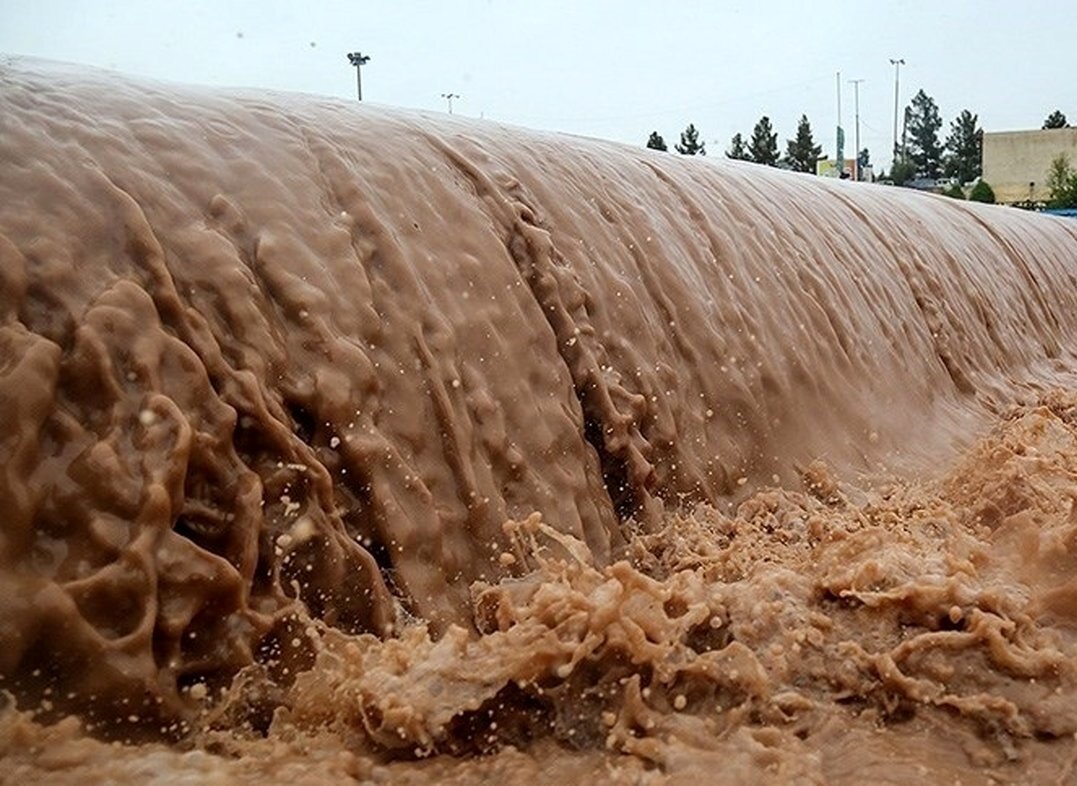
(342, 442)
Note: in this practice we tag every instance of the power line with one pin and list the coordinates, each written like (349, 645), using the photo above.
(677, 109)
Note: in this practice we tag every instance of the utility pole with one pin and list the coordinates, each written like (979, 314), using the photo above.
(358, 59)
(840, 148)
(449, 97)
(856, 103)
(897, 64)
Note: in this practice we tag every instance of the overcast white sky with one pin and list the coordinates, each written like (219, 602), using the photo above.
(616, 70)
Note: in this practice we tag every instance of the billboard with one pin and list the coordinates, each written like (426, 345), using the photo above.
(828, 167)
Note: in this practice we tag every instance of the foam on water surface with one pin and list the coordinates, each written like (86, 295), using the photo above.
(285, 382)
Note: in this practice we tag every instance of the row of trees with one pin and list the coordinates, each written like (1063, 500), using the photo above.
(762, 148)
(688, 146)
(801, 152)
(920, 154)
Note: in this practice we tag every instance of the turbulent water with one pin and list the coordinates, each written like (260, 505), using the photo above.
(343, 442)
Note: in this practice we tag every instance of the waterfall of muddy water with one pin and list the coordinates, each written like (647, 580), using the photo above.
(344, 442)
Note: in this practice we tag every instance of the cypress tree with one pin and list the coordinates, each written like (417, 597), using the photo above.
(690, 144)
(925, 150)
(763, 146)
(1056, 120)
(964, 148)
(802, 152)
(738, 151)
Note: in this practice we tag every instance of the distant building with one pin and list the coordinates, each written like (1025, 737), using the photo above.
(1016, 162)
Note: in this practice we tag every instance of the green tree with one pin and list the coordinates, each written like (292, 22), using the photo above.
(1056, 120)
(964, 148)
(955, 191)
(801, 153)
(656, 142)
(738, 151)
(1062, 183)
(982, 192)
(863, 161)
(925, 151)
(764, 144)
(690, 144)
(902, 171)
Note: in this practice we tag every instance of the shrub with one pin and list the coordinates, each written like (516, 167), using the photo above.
(982, 192)
(1062, 183)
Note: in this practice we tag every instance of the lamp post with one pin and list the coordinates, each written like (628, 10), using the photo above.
(897, 64)
(856, 103)
(358, 59)
(449, 97)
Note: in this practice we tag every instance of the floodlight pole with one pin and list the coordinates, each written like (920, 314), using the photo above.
(856, 103)
(897, 64)
(358, 59)
(449, 97)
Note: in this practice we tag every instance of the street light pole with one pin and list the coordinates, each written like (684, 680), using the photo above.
(449, 97)
(358, 59)
(856, 103)
(897, 64)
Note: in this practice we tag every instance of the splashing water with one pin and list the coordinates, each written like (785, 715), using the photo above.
(341, 442)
